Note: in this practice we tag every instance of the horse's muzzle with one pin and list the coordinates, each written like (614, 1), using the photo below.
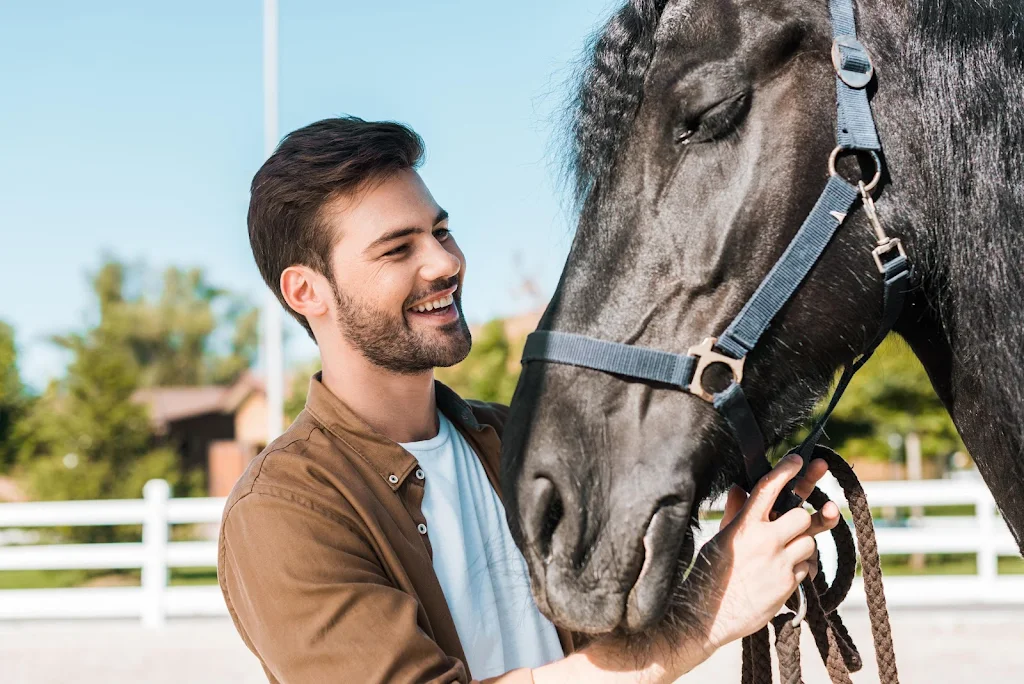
(599, 571)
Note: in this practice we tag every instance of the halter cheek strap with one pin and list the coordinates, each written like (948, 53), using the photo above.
(855, 131)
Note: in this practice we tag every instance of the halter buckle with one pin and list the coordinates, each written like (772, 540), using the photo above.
(885, 247)
(707, 356)
(885, 244)
(852, 62)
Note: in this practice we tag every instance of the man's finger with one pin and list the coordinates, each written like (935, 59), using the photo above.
(801, 549)
(816, 470)
(792, 524)
(733, 504)
(770, 486)
(825, 519)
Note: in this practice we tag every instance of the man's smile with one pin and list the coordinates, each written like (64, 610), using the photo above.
(439, 308)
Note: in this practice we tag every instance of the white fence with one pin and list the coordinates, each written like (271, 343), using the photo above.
(983, 534)
(154, 600)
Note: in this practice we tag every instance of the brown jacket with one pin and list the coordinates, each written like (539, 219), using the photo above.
(324, 555)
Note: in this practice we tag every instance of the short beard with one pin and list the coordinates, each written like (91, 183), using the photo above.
(387, 341)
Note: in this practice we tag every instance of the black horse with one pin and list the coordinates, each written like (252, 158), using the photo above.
(700, 138)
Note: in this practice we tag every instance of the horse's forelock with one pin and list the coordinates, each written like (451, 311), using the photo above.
(610, 89)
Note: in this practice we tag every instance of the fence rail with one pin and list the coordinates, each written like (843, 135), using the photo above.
(154, 601)
(983, 534)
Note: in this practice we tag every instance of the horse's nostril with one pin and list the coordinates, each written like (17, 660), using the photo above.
(546, 511)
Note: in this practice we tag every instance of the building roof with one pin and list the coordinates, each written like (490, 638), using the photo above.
(169, 404)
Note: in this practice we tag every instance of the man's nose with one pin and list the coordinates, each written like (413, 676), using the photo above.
(440, 263)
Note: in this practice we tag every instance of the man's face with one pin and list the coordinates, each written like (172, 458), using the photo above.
(398, 276)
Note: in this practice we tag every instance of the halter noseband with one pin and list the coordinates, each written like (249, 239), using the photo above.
(855, 131)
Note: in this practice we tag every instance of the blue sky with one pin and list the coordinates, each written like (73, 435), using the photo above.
(134, 128)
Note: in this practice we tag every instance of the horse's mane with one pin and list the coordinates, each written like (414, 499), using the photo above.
(969, 68)
(968, 24)
(609, 91)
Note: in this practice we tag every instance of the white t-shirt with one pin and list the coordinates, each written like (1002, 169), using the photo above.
(482, 573)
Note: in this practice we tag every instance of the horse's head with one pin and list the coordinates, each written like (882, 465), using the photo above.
(702, 136)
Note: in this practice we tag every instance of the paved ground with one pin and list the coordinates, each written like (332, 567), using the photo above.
(931, 646)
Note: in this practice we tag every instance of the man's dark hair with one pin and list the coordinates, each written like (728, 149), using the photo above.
(312, 165)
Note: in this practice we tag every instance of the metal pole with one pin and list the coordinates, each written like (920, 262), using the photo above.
(273, 348)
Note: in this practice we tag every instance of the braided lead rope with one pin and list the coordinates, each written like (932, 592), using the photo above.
(787, 646)
(851, 657)
(846, 552)
(747, 668)
(828, 644)
(834, 645)
(757, 658)
(863, 524)
(830, 634)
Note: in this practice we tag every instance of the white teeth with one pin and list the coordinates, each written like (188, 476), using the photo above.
(436, 304)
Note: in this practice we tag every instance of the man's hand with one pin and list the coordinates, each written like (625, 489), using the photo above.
(743, 576)
(739, 581)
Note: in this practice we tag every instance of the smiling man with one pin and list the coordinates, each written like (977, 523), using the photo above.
(368, 543)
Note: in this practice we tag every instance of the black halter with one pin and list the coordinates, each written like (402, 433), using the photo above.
(855, 131)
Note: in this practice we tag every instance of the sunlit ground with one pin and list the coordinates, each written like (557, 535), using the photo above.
(932, 647)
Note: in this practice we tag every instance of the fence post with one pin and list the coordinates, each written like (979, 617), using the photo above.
(988, 559)
(154, 542)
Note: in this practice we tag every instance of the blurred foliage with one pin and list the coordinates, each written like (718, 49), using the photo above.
(892, 396)
(491, 370)
(14, 400)
(84, 437)
(173, 333)
(295, 397)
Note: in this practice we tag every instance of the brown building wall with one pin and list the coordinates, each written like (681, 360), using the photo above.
(227, 462)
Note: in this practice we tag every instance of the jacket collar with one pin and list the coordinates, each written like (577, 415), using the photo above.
(393, 463)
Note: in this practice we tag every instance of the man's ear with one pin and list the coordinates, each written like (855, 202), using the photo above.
(305, 291)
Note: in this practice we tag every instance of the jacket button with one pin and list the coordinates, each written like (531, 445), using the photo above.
(422, 528)
(419, 474)
(393, 479)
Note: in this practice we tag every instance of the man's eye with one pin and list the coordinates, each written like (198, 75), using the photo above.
(442, 234)
(401, 249)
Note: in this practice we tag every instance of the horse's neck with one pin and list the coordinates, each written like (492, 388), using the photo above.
(969, 387)
(951, 122)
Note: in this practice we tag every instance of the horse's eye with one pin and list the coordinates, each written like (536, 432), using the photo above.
(714, 122)
(684, 134)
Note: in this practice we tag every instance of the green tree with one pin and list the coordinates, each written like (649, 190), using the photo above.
(892, 395)
(85, 438)
(173, 333)
(298, 388)
(14, 399)
(491, 370)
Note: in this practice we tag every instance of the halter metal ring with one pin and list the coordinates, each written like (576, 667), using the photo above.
(801, 607)
(874, 157)
(706, 356)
